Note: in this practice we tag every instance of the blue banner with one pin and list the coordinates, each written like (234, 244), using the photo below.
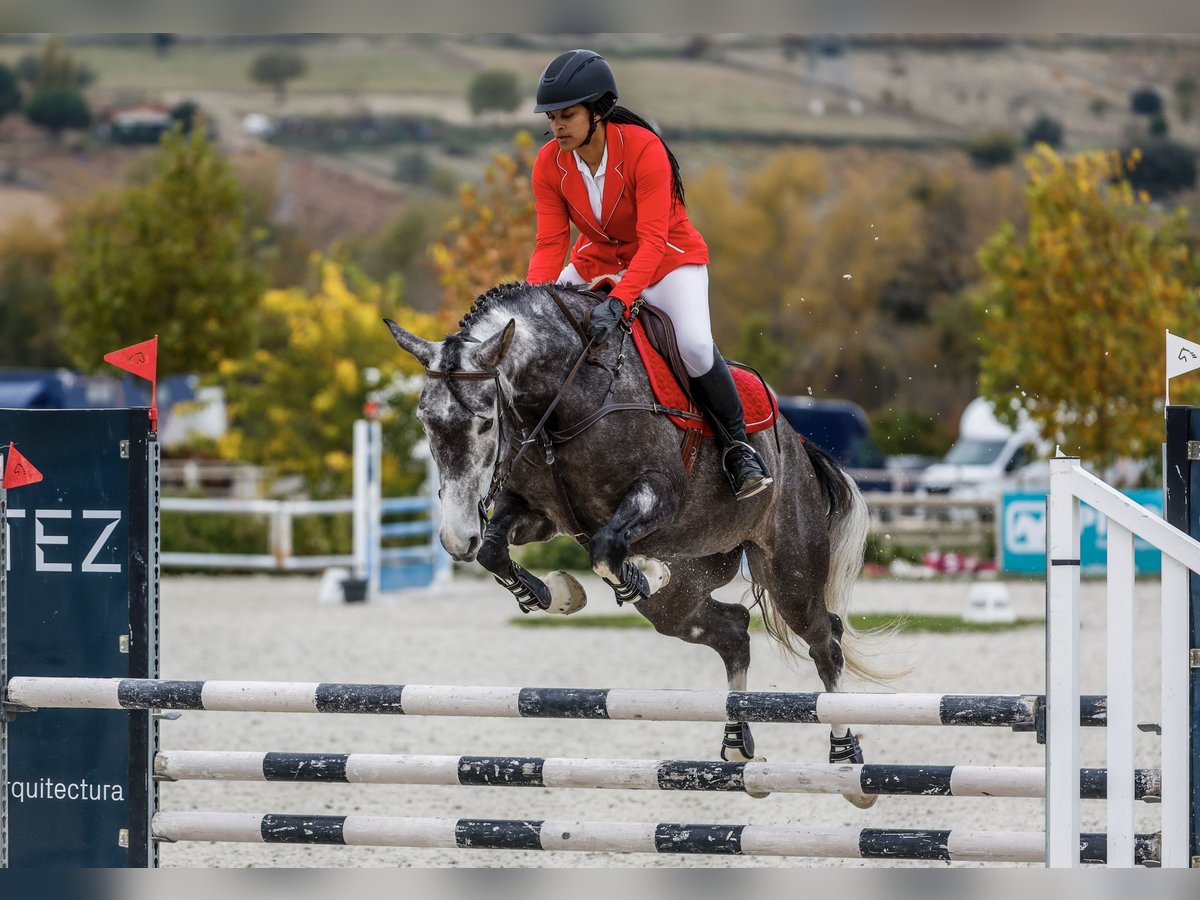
(1023, 535)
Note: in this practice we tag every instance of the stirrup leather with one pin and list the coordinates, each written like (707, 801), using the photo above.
(524, 587)
(633, 585)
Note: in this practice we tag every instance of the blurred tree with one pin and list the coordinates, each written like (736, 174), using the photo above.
(993, 148)
(54, 67)
(171, 256)
(489, 241)
(276, 68)
(1075, 309)
(58, 109)
(1145, 102)
(30, 321)
(1044, 130)
(698, 46)
(10, 102)
(496, 89)
(293, 401)
(758, 249)
(187, 113)
(1163, 168)
(10, 93)
(401, 251)
(163, 42)
(1099, 107)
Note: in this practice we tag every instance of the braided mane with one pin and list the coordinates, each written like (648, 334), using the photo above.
(486, 301)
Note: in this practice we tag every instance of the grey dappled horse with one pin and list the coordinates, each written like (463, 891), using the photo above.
(660, 537)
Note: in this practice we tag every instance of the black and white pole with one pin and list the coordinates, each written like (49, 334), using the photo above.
(630, 774)
(1017, 711)
(626, 837)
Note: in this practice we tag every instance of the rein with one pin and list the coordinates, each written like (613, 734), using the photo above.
(540, 434)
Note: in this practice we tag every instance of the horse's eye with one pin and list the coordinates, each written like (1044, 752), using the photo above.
(486, 426)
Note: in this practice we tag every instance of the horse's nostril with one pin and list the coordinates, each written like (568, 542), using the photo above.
(473, 547)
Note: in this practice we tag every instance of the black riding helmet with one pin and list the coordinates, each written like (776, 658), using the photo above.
(577, 76)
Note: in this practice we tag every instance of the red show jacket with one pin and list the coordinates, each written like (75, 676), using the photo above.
(643, 229)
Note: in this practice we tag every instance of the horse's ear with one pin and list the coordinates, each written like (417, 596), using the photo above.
(493, 350)
(422, 349)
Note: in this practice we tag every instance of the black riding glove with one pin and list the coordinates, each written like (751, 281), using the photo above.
(606, 316)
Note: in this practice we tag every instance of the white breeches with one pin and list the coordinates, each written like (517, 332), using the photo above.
(683, 295)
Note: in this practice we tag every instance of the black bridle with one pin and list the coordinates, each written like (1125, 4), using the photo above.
(502, 469)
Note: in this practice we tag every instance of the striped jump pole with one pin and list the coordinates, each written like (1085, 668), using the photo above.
(627, 837)
(631, 774)
(1017, 711)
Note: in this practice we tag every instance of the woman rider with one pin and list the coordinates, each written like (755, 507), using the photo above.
(608, 173)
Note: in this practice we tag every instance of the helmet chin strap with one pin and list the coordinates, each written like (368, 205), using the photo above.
(591, 130)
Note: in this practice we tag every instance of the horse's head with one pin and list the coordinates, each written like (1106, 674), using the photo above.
(458, 410)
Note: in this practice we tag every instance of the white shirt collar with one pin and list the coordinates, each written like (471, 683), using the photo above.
(593, 183)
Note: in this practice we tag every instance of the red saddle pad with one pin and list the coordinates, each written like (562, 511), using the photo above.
(758, 403)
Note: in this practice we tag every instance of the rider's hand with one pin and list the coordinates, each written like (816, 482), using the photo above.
(606, 316)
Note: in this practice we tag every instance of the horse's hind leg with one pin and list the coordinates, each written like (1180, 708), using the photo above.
(685, 609)
(795, 585)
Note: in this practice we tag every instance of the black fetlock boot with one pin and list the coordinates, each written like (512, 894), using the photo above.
(717, 395)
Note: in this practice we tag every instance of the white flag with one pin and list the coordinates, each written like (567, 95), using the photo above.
(1182, 356)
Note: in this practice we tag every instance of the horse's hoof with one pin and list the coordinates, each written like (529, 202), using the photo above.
(657, 573)
(566, 594)
(736, 754)
(862, 801)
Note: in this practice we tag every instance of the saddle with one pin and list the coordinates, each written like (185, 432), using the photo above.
(654, 336)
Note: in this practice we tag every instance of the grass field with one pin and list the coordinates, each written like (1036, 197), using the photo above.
(862, 621)
(744, 83)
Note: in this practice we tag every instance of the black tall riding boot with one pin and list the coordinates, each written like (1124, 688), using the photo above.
(717, 395)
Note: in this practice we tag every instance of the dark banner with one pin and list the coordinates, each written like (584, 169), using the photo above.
(79, 592)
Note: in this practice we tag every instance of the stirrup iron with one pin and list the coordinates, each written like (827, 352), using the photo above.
(741, 492)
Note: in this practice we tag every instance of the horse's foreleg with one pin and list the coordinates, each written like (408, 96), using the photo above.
(648, 504)
(514, 522)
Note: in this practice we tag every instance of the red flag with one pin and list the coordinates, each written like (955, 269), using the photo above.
(18, 470)
(140, 359)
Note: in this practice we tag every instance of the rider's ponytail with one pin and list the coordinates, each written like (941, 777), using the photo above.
(622, 116)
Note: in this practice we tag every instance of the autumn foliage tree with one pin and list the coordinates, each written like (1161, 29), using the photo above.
(171, 255)
(292, 403)
(843, 276)
(30, 322)
(490, 239)
(1075, 307)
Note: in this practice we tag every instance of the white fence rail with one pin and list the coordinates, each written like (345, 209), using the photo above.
(1069, 485)
(281, 515)
(382, 553)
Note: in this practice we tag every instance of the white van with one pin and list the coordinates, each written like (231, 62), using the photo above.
(989, 458)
